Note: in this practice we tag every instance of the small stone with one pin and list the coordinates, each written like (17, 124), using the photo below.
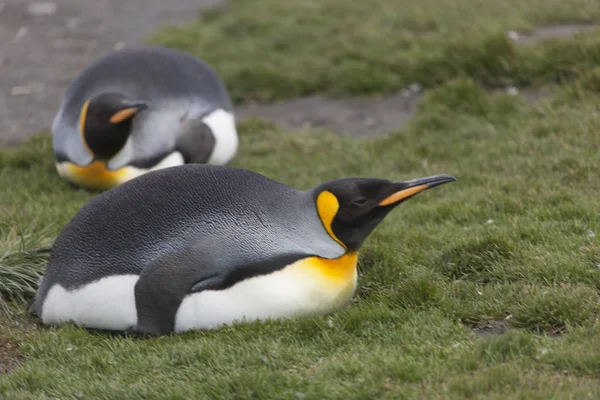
(28, 89)
(489, 221)
(73, 23)
(598, 266)
(69, 348)
(79, 395)
(42, 8)
(512, 91)
(119, 45)
(21, 32)
(405, 93)
(512, 35)
(415, 88)
(508, 317)
(370, 121)
(591, 234)
(92, 44)
(543, 351)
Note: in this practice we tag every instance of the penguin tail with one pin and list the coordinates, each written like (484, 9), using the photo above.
(31, 308)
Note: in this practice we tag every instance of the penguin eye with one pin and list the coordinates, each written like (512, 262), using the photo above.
(360, 202)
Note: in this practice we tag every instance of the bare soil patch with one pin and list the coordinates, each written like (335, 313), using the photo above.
(9, 357)
(491, 328)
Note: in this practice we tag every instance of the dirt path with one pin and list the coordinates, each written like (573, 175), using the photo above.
(44, 45)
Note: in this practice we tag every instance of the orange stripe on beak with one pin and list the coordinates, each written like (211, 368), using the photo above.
(402, 194)
(123, 115)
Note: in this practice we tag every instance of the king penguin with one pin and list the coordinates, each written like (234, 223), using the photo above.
(140, 109)
(198, 247)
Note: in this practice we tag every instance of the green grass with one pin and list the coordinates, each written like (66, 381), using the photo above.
(513, 241)
(271, 49)
(509, 241)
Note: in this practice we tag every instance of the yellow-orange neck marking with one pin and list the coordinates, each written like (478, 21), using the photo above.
(82, 119)
(95, 175)
(327, 207)
(341, 270)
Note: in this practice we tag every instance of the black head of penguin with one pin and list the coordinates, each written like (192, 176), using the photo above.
(350, 208)
(106, 121)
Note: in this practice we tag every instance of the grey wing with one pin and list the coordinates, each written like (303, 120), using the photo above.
(195, 141)
(153, 138)
(164, 283)
(167, 126)
(67, 143)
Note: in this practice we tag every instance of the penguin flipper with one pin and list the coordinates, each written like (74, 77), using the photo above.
(163, 285)
(31, 308)
(195, 141)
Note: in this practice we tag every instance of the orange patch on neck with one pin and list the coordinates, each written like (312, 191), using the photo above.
(341, 270)
(327, 208)
(95, 176)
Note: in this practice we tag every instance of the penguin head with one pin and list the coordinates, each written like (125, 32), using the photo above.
(350, 208)
(105, 123)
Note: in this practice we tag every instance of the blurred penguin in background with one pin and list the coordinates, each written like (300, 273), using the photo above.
(138, 110)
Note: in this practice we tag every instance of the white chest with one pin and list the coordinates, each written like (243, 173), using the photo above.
(294, 291)
(307, 287)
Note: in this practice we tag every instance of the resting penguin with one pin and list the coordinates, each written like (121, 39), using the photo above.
(142, 109)
(201, 246)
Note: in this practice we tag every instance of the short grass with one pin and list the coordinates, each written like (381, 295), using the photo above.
(514, 240)
(272, 49)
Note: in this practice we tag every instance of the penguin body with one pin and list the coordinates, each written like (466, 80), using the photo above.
(200, 246)
(141, 109)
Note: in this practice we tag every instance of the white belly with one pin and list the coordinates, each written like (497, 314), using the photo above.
(222, 124)
(296, 290)
(105, 304)
(172, 160)
(291, 292)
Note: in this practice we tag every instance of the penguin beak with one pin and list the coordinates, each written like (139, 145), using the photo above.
(129, 111)
(407, 189)
(138, 105)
